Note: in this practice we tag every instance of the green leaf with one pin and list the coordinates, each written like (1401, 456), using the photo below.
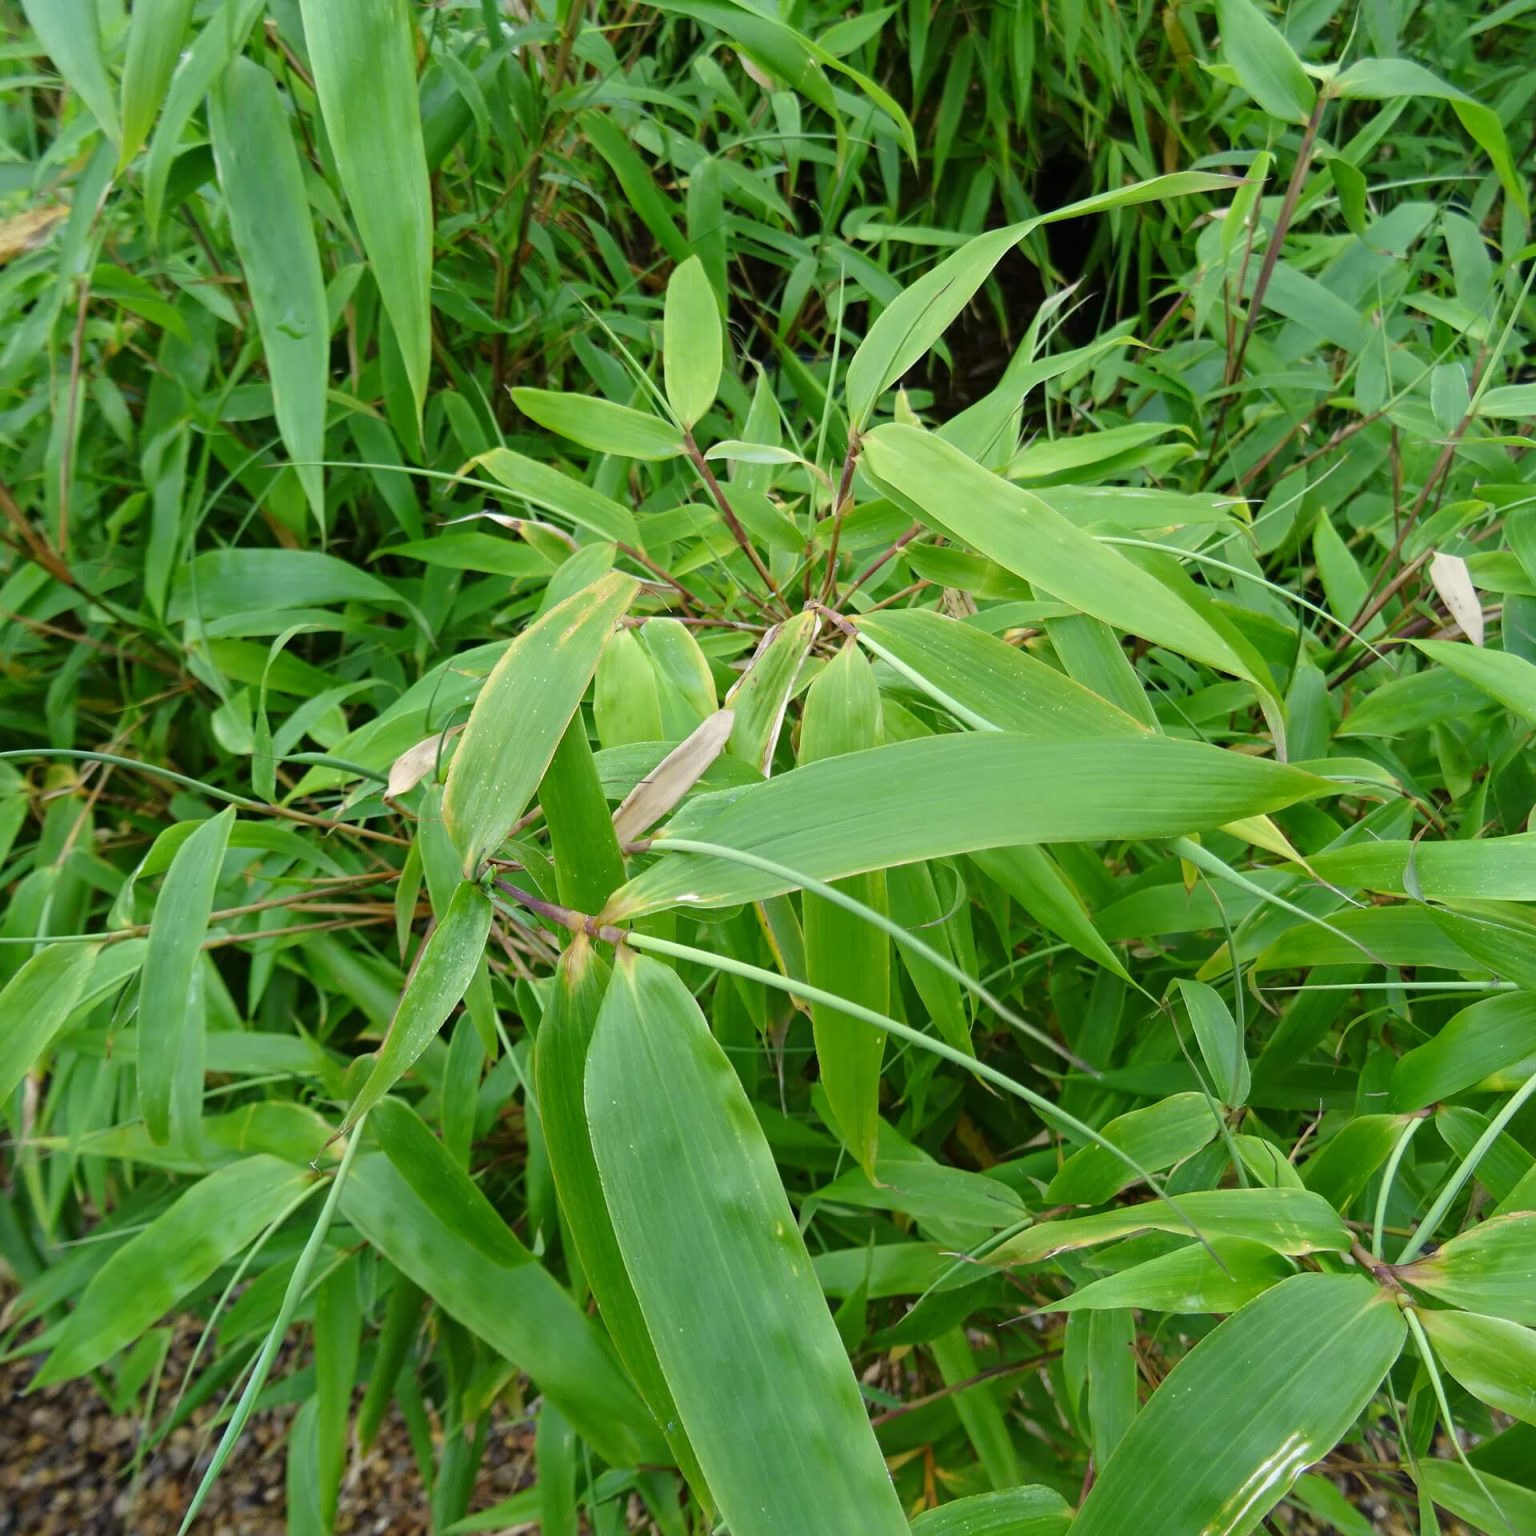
(269, 217)
(560, 1064)
(760, 696)
(70, 32)
(1221, 1041)
(589, 867)
(960, 499)
(36, 1003)
(692, 343)
(1489, 1268)
(1272, 1390)
(1484, 868)
(445, 965)
(1027, 1511)
(170, 992)
(1036, 882)
(1292, 1221)
(219, 40)
(626, 700)
(204, 1227)
(546, 487)
(521, 714)
(1340, 1171)
(157, 29)
(1157, 1137)
(980, 1414)
(1384, 79)
(601, 425)
(364, 65)
(1492, 1504)
(871, 810)
(685, 683)
(1221, 1277)
(843, 953)
(434, 1173)
(908, 328)
(223, 582)
(1478, 1041)
(1494, 1359)
(1501, 675)
(522, 1313)
(1265, 63)
(743, 1333)
(798, 60)
(980, 678)
(953, 1204)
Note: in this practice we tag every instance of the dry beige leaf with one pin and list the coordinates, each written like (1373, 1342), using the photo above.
(1454, 584)
(673, 777)
(27, 230)
(415, 763)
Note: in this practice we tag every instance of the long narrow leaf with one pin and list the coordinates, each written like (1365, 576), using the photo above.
(365, 75)
(741, 1328)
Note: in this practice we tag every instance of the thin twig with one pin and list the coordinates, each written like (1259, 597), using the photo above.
(701, 464)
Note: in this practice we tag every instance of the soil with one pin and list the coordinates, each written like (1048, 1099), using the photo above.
(66, 1467)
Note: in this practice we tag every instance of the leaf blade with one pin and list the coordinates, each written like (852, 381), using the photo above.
(170, 1049)
(365, 77)
(528, 701)
(740, 1326)
(1268, 1392)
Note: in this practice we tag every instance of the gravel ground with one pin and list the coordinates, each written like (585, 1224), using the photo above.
(66, 1468)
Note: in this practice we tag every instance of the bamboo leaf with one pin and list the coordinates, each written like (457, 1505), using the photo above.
(1492, 1504)
(843, 953)
(1384, 79)
(626, 701)
(156, 32)
(956, 664)
(1027, 1511)
(750, 1351)
(1288, 1220)
(665, 785)
(70, 32)
(560, 1064)
(600, 424)
(1220, 1039)
(1475, 1043)
(1221, 1275)
(959, 498)
(521, 714)
(555, 492)
(1501, 675)
(434, 1173)
(365, 76)
(204, 1227)
(1157, 1137)
(36, 1003)
(1493, 1358)
(1488, 1268)
(584, 840)
(1272, 1390)
(170, 995)
(218, 41)
(870, 810)
(908, 328)
(692, 342)
(445, 966)
(269, 216)
(760, 696)
(1265, 63)
(521, 1312)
